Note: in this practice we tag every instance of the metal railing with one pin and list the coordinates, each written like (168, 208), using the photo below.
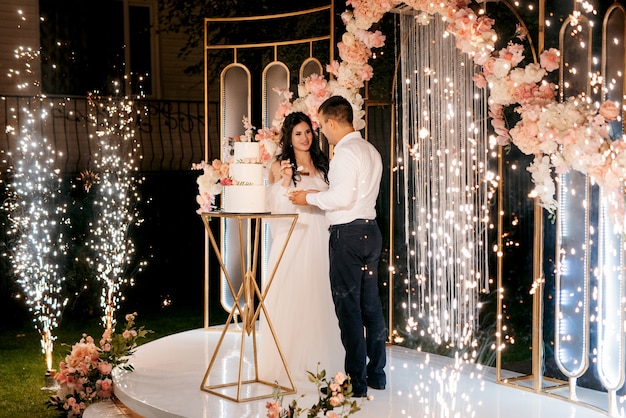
(170, 133)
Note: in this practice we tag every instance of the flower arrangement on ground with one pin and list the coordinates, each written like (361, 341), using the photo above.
(334, 393)
(217, 174)
(84, 376)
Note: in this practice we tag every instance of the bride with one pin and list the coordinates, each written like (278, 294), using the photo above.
(299, 302)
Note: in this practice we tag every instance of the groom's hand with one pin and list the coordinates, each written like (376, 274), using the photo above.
(299, 197)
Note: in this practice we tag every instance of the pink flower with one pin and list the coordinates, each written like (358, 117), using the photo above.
(128, 334)
(105, 367)
(353, 51)
(284, 108)
(550, 59)
(366, 72)
(273, 409)
(339, 378)
(609, 111)
(480, 81)
(333, 68)
(335, 400)
(520, 32)
(514, 53)
(105, 384)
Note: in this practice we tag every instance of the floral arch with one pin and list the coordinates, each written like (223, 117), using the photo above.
(563, 136)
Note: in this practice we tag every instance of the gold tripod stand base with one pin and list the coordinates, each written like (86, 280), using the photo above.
(247, 390)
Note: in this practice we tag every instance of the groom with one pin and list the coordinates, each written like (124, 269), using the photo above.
(355, 243)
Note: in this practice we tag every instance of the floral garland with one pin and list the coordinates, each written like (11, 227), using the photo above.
(572, 135)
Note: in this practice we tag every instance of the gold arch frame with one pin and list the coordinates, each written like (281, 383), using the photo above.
(235, 47)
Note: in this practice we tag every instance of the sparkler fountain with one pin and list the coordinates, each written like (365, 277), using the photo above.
(116, 193)
(37, 217)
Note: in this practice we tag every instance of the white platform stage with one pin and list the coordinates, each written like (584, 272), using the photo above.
(169, 371)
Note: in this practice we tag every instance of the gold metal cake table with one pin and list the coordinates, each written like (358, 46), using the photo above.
(249, 289)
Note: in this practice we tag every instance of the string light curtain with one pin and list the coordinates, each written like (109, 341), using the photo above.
(443, 166)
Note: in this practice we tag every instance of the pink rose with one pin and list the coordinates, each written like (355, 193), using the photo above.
(105, 384)
(339, 378)
(105, 367)
(273, 409)
(609, 110)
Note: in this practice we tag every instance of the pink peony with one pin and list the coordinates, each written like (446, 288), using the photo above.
(550, 59)
(609, 110)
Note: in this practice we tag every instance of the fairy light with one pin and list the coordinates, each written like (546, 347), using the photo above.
(444, 173)
(115, 199)
(37, 217)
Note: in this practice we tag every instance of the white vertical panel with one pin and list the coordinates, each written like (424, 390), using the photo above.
(275, 75)
(610, 337)
(235, 101)
(572, 276)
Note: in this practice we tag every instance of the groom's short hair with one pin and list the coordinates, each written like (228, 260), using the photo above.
(337, 108)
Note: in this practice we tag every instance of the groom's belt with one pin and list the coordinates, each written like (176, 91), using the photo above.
(356, 222)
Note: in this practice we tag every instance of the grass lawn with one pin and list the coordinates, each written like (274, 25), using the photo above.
(23, 367)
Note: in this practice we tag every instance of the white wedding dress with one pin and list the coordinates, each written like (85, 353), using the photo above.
(299, 301)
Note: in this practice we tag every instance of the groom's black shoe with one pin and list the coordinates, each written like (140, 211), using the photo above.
(377, 387)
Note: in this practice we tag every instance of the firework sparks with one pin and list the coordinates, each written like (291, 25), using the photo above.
(37, 218)
(115, 195)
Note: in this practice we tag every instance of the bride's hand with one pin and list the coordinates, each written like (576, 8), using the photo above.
(286, 172)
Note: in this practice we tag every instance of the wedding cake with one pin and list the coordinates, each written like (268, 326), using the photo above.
(246, 194)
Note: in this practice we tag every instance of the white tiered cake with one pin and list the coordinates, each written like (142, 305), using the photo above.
(247, 193)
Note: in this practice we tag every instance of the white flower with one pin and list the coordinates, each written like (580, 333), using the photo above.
(501, 67)
(544, 184)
